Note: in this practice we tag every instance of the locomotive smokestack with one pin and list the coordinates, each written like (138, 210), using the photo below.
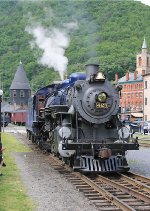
(91, 69)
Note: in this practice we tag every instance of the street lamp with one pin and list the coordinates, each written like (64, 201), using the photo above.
(1, 93)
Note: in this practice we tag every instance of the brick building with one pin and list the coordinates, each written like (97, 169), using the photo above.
(132, 99)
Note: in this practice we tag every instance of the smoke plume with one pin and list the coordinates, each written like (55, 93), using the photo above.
(53, 43)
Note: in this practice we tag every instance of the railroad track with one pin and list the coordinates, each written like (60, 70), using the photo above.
(117, 191)
(110, 192)
(144, 145)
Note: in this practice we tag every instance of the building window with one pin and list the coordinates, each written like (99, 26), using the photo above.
(145, 84)
(140, 61)
(29, 92)
(22, 104)
(128, 95)
(136, 105)
(145, 117)
(21, 93)
(147, 61)
(146, 101)
(137, 95)
(14, 93)
(141, 95)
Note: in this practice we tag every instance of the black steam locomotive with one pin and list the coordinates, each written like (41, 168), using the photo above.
(77, 120)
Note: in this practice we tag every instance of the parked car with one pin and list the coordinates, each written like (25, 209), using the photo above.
(135, 127)
(126, 122)
(141, 126)
(145, 127)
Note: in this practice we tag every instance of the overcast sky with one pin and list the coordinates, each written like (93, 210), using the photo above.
(147, 2)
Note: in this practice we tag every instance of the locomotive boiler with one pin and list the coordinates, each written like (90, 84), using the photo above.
(79, 123)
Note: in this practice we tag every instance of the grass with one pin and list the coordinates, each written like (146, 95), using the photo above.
(13, 195)
(144, 139)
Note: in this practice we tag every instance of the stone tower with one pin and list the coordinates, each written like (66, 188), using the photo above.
(143, 60)
(20, 90)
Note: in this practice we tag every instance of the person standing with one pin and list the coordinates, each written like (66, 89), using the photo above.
(1, 159)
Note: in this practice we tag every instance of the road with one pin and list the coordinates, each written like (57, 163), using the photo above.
(14, 129)
(139, 161)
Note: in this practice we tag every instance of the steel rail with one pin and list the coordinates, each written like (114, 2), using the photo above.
(144, 145)
(104, 193)
(137, 176)
(120, 204)
(113, 199)
(116, 185)
(136, 183)
(108, 196)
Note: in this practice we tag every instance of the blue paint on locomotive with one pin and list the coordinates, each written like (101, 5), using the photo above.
(76, 76)
(32, 111)
(30, 115)
(65, 83)
(55, 94)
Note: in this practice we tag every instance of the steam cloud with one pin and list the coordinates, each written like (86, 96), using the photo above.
(53, 43)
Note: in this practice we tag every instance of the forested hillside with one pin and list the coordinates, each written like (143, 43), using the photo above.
(106, 32)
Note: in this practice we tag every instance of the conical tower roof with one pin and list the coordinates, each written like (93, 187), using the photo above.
(144, 44)
(20, 80)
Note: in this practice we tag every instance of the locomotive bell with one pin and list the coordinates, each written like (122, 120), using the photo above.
(100, 77)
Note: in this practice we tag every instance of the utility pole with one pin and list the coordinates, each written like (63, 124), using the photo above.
(1, 93)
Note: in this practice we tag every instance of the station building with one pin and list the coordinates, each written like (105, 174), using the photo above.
(20, 92)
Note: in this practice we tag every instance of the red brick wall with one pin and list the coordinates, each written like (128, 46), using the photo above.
(132, 96)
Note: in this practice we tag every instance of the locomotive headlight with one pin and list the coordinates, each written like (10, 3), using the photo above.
(64, 132)
(102, 97)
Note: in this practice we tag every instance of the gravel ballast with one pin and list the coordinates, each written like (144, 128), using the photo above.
(47, 187)
(51, 191)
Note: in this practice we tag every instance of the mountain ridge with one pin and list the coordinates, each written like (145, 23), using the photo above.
(109, 33)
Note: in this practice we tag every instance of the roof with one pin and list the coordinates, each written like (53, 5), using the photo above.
(131, 78)
(144, 44)
(20, 111)
(20, 80)
(7, 108)
(139, 115)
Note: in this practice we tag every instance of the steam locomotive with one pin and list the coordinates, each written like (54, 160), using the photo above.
(77, 120)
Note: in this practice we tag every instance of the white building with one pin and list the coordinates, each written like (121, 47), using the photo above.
(144, 61)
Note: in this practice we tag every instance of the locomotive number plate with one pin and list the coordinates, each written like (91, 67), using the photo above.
(101, 105)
